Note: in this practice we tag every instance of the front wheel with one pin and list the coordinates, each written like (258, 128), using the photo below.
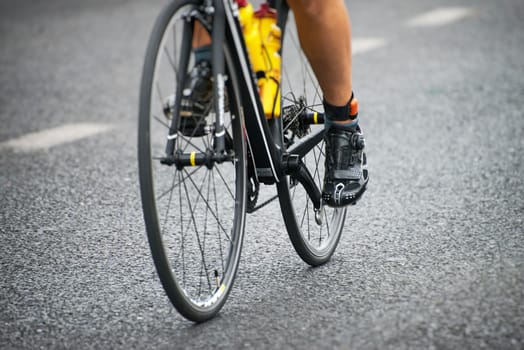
(194, 213)
(314, 234)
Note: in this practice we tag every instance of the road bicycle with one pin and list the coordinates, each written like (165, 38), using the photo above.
(197, 189)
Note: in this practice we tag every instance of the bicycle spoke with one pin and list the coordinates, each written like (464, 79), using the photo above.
(225, 183)
(288, 81)
(313, 106)
(188, 139)
(317, 171)
(159, 92)
(293, 100)
(171, 61)
(168, 206)
(178, 183)
(308, 219)
(212, 213)
(218, 228)
(306, 70)
(193, 220)
(196, 200)
(327, 219)
(207, 141)
(161, 121)
(205, 228)
(182, 236)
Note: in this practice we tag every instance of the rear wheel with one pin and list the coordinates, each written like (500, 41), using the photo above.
(314, 234)
(194, 214)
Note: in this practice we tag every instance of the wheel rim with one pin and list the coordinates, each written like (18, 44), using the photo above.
(197, 213)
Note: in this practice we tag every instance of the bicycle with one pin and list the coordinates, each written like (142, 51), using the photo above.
(196, 190)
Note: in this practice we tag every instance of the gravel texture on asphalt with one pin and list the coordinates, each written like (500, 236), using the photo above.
(432, 257)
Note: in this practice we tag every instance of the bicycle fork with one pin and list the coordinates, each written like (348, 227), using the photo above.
(218, 33)
(219, 36)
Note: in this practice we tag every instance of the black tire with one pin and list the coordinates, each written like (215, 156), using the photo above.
(315, 243)
(194, 216)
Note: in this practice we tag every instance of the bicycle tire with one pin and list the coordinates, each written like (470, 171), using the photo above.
(314, 243)
(196, 263)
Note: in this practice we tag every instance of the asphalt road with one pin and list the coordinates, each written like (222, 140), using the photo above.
(432, 257)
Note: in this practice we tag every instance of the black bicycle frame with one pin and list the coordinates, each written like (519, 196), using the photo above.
(263, 136)
(266, 157)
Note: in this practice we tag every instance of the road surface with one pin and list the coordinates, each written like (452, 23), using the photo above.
(432, 257)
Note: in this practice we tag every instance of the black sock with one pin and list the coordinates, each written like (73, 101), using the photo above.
(202, 53)
(333, 114)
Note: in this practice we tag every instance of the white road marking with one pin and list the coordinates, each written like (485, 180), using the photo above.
(439, 17)
(53, 137)
(361, 45)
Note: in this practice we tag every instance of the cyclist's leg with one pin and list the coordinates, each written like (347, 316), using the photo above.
(197, 93)
(325, 36)
(200, 36)
(323, 26)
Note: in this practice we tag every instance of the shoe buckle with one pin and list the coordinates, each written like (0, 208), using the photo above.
(338, 192)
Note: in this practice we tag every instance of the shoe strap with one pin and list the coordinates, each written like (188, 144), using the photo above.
(347, 174)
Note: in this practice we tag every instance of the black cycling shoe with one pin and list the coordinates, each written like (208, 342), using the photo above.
(346, 174)
(196, 101)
